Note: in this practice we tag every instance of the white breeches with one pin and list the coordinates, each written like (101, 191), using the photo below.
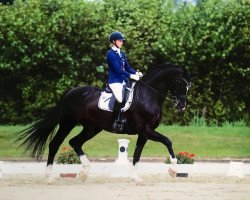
(118, 89)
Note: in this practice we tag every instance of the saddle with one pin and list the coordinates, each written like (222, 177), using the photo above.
(107, 98)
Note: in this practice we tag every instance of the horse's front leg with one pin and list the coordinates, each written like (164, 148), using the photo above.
(155, 136)
(141, 141)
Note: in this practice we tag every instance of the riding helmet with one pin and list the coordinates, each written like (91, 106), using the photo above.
(116, 36)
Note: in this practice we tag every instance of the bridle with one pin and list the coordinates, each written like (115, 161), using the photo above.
(174, 98)
(163, 96)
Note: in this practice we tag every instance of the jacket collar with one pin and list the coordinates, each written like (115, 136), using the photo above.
(116, 50)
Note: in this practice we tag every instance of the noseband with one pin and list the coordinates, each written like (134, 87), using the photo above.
(175, 99)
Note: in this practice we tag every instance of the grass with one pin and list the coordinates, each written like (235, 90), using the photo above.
(205, 142)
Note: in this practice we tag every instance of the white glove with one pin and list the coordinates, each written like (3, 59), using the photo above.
(139, 74)
(135, 77)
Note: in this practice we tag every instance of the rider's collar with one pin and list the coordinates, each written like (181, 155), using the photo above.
(116, 49)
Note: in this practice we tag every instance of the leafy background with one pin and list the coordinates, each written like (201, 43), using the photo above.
(49, 46)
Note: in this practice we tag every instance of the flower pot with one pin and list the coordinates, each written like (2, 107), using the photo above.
(181, 174)
(68, 175)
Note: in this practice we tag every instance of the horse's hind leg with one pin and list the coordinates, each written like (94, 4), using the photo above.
(141, 141)
(64, 129)
(76, 143)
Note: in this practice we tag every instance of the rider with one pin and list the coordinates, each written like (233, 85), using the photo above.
(119, 72)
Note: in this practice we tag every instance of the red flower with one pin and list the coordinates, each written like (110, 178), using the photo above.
(186, 154)
(191, 155)
(64, 148)
(181, 153)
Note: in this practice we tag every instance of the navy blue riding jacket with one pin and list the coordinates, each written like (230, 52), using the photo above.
(119, 68)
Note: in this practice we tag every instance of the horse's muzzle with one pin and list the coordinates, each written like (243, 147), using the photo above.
(181, 106)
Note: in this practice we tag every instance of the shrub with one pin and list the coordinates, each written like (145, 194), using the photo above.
(68, 156)
(49, 46)
(183, 158)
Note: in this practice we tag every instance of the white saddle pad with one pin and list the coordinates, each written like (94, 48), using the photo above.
(107, 101)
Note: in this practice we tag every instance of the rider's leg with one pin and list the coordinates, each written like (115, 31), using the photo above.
(117, 112)
(117, 89)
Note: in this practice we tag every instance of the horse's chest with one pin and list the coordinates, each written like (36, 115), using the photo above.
(153, 111)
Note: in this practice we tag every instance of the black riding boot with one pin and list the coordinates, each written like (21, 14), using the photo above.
(118, 120)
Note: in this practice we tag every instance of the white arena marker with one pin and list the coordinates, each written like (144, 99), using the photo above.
(122, 152)
(235, 169)
(1, 167)
(122, 166)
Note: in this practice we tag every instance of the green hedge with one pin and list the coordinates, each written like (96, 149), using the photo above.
(49, 46)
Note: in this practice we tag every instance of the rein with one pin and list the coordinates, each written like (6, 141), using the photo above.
(156, 91)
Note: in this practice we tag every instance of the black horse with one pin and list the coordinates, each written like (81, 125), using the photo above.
(79, 106)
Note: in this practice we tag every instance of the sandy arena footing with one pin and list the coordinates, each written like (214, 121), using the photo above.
(206, 181)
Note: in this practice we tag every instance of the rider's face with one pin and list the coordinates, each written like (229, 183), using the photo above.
(119, 43)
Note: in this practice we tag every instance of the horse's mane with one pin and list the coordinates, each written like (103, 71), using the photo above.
(158, 68)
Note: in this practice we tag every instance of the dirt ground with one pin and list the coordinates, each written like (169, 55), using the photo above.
(157, 187)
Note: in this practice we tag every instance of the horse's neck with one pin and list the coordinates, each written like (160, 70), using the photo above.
(160, 83)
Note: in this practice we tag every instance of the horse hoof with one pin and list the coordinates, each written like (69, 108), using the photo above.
(137, 180)
(140, 183)
(51, 180)
(48, 171)
(83, 176)
(172, 172)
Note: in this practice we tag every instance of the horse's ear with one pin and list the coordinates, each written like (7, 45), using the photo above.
(194, 75)
(179, 72)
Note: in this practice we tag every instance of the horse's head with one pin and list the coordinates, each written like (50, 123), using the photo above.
(179, 90)
(169, 79)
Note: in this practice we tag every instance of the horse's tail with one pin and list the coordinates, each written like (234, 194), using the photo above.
(34, 138)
